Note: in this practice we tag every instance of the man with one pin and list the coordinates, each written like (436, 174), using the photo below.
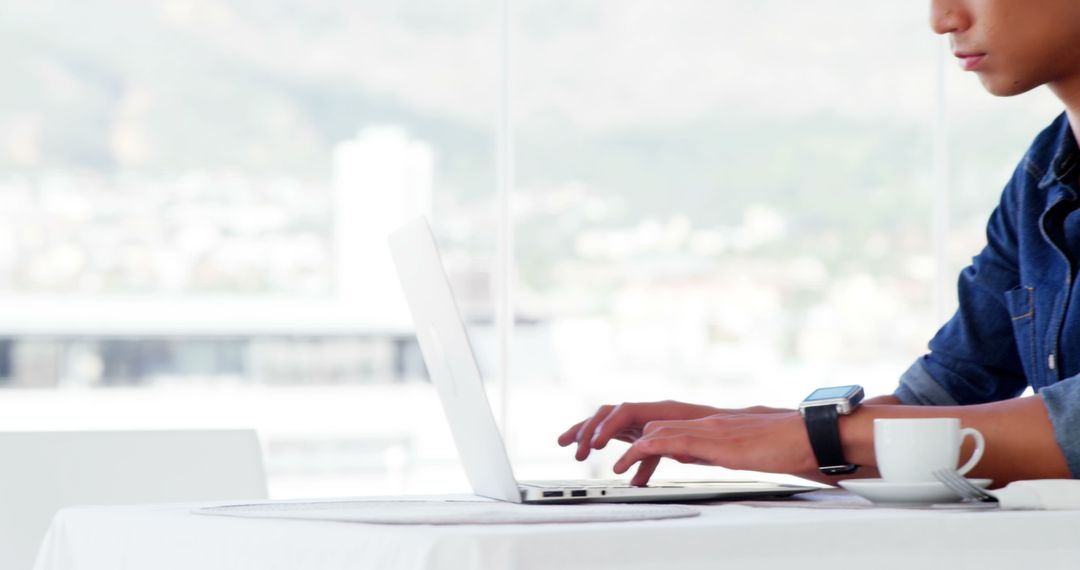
(1018, 323)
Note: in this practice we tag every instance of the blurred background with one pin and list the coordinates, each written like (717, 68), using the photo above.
(717, 201)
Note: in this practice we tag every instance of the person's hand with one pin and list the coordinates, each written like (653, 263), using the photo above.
(761, 439)
(628, 421)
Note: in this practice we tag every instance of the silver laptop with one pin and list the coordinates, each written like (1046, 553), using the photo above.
(453, 369)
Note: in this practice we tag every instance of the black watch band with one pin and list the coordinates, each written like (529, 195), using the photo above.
(823, 427)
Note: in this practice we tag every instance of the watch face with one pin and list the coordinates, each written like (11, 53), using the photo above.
(833, 393)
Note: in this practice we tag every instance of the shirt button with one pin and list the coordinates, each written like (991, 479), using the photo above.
(1051, 361)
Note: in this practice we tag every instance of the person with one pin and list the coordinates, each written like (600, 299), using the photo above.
(1018, 321)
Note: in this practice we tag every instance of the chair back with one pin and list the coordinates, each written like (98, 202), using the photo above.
(42, 472)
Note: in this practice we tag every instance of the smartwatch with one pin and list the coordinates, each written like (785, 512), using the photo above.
(821, 411)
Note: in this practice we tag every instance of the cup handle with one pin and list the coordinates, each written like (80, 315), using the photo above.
(980, 446)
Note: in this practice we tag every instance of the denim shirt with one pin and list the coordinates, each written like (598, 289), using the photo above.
(1018, 322)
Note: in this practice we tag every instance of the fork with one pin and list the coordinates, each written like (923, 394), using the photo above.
(961, 486)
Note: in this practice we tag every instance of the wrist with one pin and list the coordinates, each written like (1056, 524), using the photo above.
(857, 431)
(857, 437)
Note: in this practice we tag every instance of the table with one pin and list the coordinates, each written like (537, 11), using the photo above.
(729, 535)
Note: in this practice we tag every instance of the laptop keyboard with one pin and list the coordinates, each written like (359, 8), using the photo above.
(609, 483)
(559, 483)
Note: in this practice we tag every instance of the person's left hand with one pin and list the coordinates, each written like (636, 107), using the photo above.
(772, 442)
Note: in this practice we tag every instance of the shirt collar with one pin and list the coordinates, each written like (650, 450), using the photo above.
(1064, 170)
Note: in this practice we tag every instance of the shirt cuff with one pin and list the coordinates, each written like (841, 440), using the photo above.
(1062, 402)
(918, 388)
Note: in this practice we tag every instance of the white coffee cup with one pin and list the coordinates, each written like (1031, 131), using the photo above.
(910, 449)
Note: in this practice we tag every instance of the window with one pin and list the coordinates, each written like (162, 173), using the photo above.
(727, 202)
(196, 196)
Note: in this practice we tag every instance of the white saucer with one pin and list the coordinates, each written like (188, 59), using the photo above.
(925, 492)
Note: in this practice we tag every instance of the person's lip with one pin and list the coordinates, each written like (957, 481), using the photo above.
(969, 60)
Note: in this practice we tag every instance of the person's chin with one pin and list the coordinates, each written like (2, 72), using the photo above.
(1005, 86)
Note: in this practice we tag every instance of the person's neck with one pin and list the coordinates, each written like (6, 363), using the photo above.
(1068, 91)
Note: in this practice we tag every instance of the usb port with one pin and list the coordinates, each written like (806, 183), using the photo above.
(553, 493)
(580, 493)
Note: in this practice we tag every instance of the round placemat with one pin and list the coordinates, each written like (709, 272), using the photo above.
(451, 512)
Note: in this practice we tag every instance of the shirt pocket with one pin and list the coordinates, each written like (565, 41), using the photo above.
(1021, 304)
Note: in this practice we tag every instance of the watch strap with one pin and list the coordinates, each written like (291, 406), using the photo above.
(823, 427)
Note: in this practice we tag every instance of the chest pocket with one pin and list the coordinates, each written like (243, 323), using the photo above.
(1021, 304)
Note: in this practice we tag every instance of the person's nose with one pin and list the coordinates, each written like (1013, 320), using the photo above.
(948, 16)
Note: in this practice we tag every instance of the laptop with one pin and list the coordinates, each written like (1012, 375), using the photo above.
(452, 366)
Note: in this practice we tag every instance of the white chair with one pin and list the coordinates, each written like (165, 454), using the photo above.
(43, 472)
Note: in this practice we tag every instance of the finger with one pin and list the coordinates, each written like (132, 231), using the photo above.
(676, 425)
(622, 418)
(689, 446)
(645, 471)
(629, 435)
(584, 436)
(638, 451)
(569, 435)
(626, 417)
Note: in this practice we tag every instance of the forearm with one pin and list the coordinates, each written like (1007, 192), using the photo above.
(1020, 442)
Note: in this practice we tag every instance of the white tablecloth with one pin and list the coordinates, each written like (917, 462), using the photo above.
(733, 535)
